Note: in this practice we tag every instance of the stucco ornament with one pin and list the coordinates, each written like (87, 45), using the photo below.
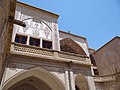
(47, 32)
(26, 28)
(35, 30)
(12, 66)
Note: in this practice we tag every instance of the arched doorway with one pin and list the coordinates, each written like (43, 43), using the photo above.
(34, 79)
(31, 83)
(81, 83)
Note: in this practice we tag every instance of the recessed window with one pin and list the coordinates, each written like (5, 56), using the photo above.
(96, 71)
(21, 39)
(34, 42)
(76, 88)
(47, 44)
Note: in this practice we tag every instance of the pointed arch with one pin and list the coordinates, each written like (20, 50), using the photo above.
(81, 82)
(68, 45)
(49, 79)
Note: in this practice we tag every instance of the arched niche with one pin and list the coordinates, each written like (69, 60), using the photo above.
(81, 82)
(30, 83)
(39, 75)
(68, 45)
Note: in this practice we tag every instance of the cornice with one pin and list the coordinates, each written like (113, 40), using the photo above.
(72, 34)
(51, 59)
(37, 9)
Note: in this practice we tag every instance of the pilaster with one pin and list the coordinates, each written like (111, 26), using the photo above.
(91, 83)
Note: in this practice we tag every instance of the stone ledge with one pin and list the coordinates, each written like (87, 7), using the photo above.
(52, 55)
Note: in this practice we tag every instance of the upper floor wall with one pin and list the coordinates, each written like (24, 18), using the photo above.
(80, 41)
(41, 27)
(42, 31)
(108, 57)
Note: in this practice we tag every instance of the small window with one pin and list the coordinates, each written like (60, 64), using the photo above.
(21, 39)
(92, 60)
(47, 44)
(96, 71)
(34, 42)
(76, 88)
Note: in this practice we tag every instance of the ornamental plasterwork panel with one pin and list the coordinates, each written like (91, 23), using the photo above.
(32, 61)
(36, 28)
(14, 66)
(48, 23)
(47, 33)
(54, 69)
(82, 71)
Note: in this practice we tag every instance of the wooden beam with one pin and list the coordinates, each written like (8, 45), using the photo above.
(15, 21)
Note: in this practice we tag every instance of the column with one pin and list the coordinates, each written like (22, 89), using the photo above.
(91, 83)
(66, 80)
(40, 42)
(28, 39)
(72, 81)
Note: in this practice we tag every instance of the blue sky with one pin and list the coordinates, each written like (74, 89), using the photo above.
(97, 20)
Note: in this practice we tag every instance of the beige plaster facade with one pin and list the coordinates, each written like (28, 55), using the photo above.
(110, 55)
(40, 57)
(37, 68)
(108, 63)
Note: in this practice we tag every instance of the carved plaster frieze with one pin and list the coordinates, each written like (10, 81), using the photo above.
(35, 27)
(14, 65)
(30, 61)
(25, 66)
(82, 71)
(35, 61)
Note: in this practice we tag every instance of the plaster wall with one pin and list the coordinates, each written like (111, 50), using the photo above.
(80, 41)
(108, 58)
(19, 65)
(39, 24)
(107, 85)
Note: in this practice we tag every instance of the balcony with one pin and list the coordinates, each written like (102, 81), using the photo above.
(107, 78)
(104, 78)
(27, 50)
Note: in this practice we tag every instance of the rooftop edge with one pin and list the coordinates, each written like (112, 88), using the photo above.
(72, 34)
(38, 8)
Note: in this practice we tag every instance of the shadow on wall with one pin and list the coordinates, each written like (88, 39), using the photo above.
(68, 45)
(81, 82)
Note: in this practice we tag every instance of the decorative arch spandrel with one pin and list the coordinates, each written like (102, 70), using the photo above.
(68, 45)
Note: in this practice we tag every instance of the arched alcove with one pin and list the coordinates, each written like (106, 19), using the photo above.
(32, 78)
(68, 45)
(81, 82)
(30, 83)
